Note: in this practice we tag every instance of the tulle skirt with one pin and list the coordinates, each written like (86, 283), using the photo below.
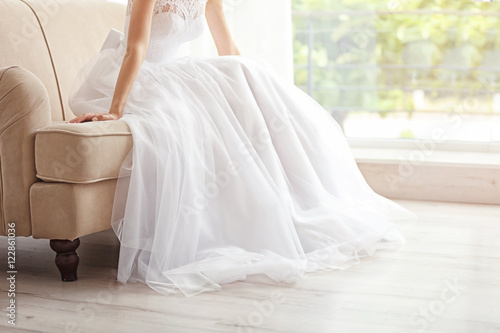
(233, 172)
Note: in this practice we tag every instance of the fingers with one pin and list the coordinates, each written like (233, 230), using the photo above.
(84, 117)
(94, 116)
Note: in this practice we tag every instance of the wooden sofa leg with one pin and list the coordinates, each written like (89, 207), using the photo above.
(66, 257)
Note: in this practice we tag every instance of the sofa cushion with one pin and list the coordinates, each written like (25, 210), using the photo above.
(81, 153)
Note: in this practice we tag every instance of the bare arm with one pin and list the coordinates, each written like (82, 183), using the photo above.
(137, 45)
(219, 29)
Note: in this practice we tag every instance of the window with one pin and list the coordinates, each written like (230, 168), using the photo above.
(402, 69)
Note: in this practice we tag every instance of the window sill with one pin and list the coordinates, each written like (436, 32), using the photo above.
(427, 157)
(420, 174)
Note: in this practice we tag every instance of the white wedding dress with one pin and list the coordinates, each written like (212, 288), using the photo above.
(233, 170)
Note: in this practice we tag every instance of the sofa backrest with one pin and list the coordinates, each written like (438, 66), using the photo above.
(54, 39)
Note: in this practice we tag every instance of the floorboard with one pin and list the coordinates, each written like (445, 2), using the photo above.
(452, 254)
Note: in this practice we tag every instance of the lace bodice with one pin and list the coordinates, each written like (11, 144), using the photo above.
(174, 23)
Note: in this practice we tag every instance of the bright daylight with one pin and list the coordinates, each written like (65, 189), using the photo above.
(244, 166)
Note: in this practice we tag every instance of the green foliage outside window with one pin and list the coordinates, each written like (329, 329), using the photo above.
(372, 54)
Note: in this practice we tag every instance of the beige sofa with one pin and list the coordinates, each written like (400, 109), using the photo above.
(57, 180)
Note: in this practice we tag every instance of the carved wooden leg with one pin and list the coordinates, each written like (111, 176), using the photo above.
(66, 257)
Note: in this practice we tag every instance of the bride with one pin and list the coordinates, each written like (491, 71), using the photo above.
(233, 171)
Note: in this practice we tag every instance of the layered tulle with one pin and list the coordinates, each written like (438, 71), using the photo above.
(233, 172)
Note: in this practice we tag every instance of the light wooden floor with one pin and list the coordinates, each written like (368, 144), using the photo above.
(445, 279)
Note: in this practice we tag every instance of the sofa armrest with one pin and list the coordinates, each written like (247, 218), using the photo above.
(82, 153)
(24, 107)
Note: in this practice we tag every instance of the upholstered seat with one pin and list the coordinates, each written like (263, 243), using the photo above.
(57, 179)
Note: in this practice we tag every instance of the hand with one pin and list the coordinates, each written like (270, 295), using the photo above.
(95, 116)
